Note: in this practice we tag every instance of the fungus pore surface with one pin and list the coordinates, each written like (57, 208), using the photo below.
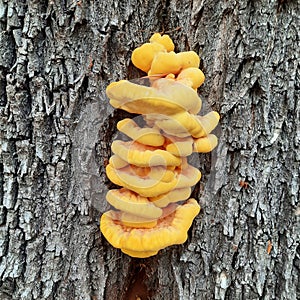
(152, 209)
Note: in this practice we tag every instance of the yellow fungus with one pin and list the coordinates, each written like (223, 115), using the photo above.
(147, 136)
(165, 96)
(143, 155)
(130, 202)
(180, 146)
(171, 62)
(117, 162)
(164, 40)
(142, 57)
(170, 230)
(173, 196)
(192, 77)
(186, 124)
(153, 168)
(130, 220)
(205, 144)
(144, 186)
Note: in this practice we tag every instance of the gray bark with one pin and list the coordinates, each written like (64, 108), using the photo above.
(56, 58)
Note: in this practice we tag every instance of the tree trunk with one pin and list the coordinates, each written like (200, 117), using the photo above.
(56, 58)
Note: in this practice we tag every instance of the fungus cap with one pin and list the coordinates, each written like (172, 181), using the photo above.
(187, 177)
(130, 220)
(147, 136)
(130, 202)
(192, 77)
(143, 155)
(209, 121)
(117, 162)
(170, 230)
(171, 62)
(165, 96)
(164, 174)
(165, 63)
(164, 40)
(143, 56)
(185, 124)
(189, 59)
(161, 173)
(180, 146)
(171, 197)
(139, 254)
(146, 187)
(205, 144)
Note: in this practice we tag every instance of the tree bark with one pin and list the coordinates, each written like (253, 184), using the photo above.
(56, 58)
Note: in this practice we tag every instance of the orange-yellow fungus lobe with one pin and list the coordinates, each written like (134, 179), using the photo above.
(170, 230)
(130, 202)
(143, 155)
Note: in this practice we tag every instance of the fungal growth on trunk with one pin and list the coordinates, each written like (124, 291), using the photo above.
(152, 207)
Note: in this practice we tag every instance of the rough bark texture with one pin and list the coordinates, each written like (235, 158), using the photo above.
(56, 58)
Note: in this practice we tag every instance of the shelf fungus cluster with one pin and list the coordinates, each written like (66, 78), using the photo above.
(153, 208)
